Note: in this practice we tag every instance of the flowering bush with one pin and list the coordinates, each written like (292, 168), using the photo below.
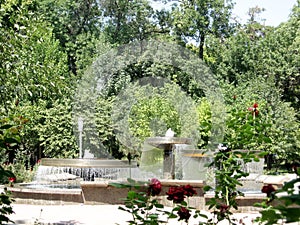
(227, 174)
(145, 208)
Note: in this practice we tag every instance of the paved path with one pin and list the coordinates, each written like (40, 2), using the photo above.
(87, 215)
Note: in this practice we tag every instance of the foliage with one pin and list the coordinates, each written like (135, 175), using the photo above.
(139, 204)
(34, 74)
(152, 117)
(44, 43)
(126, 21)
(32, 67)
(10, 136)
(22, 170)
(150, 111)
(256, 51)
(56, 133)
(5, 206)
(286, 207)
(274, 129)
(204, 115)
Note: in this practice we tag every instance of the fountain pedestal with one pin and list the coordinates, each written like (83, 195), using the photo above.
(167, 145)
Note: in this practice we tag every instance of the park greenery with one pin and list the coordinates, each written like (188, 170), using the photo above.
(46, 47)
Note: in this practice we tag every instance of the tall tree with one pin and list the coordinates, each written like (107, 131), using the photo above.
(34, 76)
(70, 20)
(195, 20)
(259, 50)
(126, 21)
(32, 66)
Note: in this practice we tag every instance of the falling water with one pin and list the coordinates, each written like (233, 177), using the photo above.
(60, 176)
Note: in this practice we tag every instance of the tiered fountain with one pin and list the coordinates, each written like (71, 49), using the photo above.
(92, 177)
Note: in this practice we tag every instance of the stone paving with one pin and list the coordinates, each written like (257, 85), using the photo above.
(91, 215)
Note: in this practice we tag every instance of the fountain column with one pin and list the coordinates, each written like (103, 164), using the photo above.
(169, 162)
(80, 129)
(167, 145)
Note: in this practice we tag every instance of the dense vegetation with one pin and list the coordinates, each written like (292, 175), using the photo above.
(46, 47)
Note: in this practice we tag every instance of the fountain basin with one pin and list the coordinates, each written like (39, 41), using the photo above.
(29, 195)
(88, 163)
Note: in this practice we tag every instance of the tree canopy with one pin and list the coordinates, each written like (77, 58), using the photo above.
(47, 46)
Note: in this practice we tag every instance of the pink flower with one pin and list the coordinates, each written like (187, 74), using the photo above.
(154, 187)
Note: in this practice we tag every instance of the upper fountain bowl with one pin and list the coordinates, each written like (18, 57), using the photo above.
(161, 141)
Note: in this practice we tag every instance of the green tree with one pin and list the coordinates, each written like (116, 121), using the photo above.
(32, 66)
(194, 21)
(56, 135)
(126, 21)
(34, 76)
(258, 50)
(71, 20)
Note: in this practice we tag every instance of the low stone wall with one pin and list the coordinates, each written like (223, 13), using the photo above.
(102, 192)
(95, 192)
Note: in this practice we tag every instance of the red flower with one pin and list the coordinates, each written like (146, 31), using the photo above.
(154, 187)
(254, 109)
(176, 194)
(184, 214)
(12, 179)
(268, 189)
(189, 190)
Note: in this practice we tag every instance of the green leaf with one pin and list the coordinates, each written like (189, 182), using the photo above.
(118, 185)
(131, 195)
(6, 126)
(160, 206)
(207, 188)
(172, 216)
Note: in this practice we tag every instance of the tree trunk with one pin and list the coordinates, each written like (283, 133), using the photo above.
(201, 46)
